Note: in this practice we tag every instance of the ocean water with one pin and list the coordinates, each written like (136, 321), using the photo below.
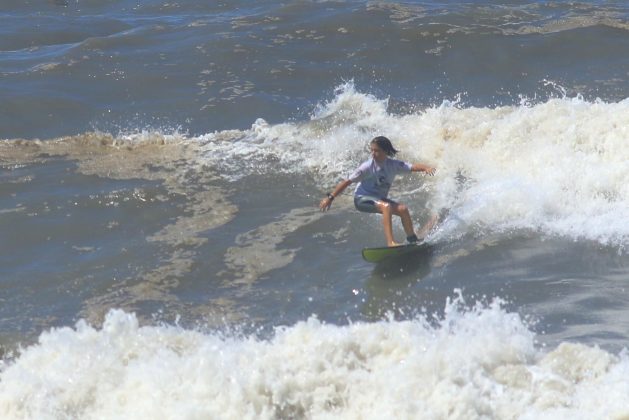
(162, 254)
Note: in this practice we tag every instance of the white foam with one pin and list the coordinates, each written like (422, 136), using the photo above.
(559, 167)
(478, 363)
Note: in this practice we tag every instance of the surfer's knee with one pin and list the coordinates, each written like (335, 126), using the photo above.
(402, 210)
(384, 207)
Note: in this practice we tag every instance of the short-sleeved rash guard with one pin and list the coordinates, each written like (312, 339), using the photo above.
(375, 178)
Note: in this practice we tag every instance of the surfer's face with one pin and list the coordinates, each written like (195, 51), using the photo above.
(377, 153)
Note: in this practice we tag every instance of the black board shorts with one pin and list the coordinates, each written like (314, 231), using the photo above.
(367, 203)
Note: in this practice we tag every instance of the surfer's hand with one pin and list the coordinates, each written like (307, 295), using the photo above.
(430, 170)
(325, 204)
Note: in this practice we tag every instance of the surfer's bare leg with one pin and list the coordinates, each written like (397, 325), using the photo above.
(387, 222)
(402, 211)
(421, 234)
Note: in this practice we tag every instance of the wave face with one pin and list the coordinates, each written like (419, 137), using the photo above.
(475, 363)
(557, 167)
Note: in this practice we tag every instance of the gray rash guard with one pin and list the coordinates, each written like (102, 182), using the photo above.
(375, 179)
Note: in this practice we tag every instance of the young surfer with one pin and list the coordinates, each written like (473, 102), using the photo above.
(374, 178)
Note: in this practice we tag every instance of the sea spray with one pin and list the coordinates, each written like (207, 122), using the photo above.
(476, 362)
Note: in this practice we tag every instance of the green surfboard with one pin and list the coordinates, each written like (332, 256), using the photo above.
(376, 255)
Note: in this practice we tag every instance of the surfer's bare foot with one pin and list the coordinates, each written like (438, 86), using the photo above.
(421, 234)
(393, 244)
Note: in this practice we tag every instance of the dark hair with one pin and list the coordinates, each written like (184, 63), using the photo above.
(385, 144)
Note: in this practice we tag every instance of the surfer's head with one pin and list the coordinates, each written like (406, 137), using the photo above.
(383, 144)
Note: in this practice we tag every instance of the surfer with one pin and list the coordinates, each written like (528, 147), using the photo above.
(374, 178)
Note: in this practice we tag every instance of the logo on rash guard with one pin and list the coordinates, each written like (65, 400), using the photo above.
(382, 181)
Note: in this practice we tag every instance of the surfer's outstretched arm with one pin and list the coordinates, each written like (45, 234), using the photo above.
(420, 167)
(327, 201)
